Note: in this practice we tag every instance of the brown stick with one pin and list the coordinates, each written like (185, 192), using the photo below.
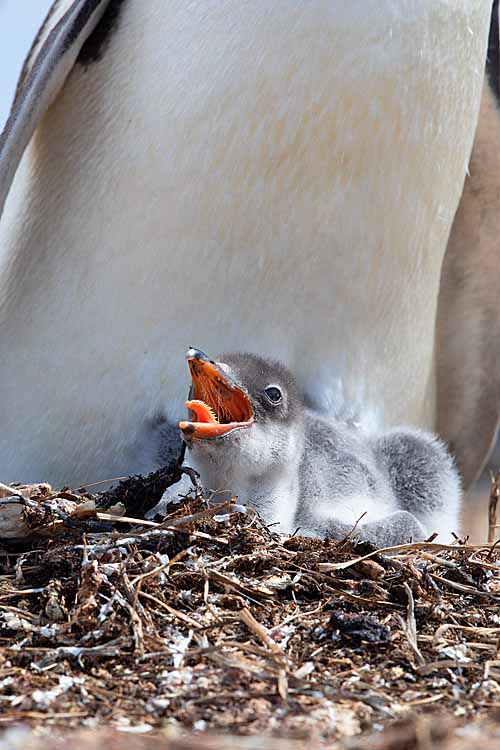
(261, 632)
(493, 506)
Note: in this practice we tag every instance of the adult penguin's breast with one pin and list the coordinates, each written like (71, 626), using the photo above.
(275, 177)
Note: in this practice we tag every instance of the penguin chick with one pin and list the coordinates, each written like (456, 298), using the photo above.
(251, 434)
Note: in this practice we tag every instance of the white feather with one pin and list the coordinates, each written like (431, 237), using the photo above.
(279, 177)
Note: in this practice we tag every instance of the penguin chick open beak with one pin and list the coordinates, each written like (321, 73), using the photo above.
(218, 405)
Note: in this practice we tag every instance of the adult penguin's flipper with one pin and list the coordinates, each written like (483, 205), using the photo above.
(53, 54)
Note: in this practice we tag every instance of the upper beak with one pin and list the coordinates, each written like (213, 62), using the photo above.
(218, 404)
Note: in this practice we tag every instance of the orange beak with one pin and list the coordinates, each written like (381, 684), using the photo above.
(218, 405)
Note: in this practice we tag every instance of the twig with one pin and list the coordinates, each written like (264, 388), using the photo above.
(195, 481)
(445, 664)
(160, 568)
(410, 626)
(141, 536)
(84, 525)
(127, 519)
(180, 615)
(475, 630)
(368, 568)
(493, 506)
(436, 559)
(261, 632)
(411, 547)
(324, 578)
(12, 491)
(111, 648)
(463, 589)
(487, 667)
(298, 615)
(230, 583)
(349, 534)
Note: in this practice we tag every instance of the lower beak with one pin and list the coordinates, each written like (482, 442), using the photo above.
(218, 405)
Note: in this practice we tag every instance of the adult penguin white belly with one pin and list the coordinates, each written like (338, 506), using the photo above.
(275, 177)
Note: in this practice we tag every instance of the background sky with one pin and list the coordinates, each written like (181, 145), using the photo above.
(19, 22)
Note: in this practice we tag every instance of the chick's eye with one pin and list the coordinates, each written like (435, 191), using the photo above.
(273, 394)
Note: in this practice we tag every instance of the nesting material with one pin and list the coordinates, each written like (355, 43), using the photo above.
(208, 620)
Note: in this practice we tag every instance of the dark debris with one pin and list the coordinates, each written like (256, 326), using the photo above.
(357, 629)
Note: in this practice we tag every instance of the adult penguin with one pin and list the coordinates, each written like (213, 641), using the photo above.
(279, 176)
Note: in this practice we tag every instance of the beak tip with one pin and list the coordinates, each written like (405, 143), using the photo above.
(193, 353)
(187, 428)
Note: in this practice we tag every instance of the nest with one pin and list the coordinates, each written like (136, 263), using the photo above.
(208, 620)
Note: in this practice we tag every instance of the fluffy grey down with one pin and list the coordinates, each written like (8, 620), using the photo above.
(326, 476)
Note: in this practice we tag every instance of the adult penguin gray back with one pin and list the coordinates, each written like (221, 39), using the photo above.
(284, 175)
